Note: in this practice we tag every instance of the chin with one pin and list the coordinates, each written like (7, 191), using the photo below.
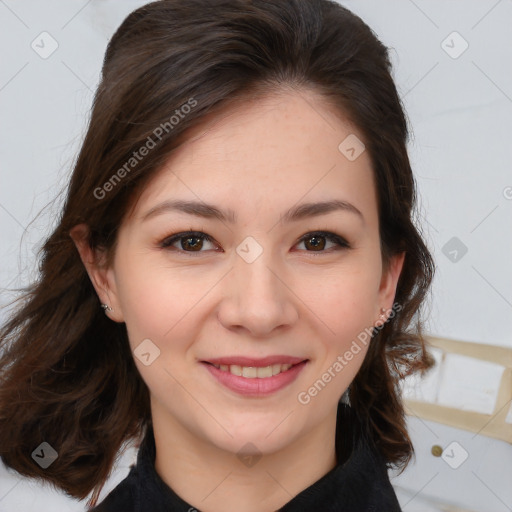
(260, 437)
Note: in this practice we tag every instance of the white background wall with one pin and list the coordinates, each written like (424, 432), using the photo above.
(460, 111)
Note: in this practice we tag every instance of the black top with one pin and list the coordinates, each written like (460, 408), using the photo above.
(358, 483)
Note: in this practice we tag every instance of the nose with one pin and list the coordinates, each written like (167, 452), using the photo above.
(257, 298)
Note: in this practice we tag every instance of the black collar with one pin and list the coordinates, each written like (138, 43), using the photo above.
(358, 483)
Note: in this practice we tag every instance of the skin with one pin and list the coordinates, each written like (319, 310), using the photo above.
(258, 160)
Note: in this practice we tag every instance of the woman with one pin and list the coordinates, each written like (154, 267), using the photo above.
(235, 279)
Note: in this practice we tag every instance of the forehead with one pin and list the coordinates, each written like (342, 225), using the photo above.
(275, 149)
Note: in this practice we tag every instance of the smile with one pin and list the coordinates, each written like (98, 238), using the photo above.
(256, 381)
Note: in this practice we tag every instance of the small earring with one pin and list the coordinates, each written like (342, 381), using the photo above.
(106, 307)
(382, 319)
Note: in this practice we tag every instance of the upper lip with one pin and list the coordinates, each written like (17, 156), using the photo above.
(255, 362)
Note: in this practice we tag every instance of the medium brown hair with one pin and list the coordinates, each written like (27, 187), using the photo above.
(67, 372)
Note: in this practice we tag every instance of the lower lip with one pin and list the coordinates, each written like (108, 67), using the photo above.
(256, 387)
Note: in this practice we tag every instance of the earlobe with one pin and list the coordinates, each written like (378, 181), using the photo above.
(101, 276)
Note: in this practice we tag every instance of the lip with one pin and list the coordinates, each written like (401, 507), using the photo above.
(255, 362)
(258, 387)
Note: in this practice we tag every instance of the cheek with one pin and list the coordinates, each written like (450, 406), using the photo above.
(346, 309)
(159, 302)
(345, 303)
(344, 298)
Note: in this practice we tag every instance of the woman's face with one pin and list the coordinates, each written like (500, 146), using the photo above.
(255, 282)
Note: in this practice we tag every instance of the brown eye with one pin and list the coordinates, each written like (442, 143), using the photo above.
(195, 243)
(316, 242)
(191, 241)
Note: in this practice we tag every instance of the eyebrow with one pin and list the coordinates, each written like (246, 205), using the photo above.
(209, 211)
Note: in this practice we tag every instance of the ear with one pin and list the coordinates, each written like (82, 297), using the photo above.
(388, 284)
(102, 276)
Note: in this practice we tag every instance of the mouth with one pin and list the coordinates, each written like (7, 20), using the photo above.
(250, 376)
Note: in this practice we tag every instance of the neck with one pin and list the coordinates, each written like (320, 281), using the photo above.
(216, 480)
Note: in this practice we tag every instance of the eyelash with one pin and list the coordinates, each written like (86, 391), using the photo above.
(332, 237)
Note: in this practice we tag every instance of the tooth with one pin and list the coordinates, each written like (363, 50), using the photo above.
(235, 369)
(266, 371)
(276, 368)
(250, 372)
